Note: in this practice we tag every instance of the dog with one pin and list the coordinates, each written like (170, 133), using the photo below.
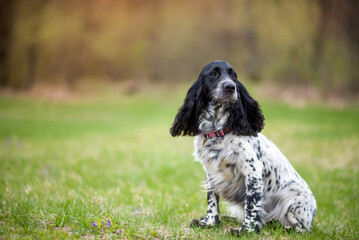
(242, 166)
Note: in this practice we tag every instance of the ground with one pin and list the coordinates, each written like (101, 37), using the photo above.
(68, 165)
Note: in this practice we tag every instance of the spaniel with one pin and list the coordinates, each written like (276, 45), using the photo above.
(242, 166)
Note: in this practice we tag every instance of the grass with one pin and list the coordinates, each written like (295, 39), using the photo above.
(69, 165)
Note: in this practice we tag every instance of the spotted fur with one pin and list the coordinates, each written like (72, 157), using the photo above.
(243, 167)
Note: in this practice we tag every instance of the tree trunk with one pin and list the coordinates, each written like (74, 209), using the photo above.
(7, 8)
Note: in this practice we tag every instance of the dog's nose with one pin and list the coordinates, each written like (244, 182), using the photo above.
(229, 87)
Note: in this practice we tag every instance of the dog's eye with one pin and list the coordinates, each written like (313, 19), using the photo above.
(213, 74)
(233, 75)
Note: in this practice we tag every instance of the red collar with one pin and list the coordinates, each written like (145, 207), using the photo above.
(219, 133)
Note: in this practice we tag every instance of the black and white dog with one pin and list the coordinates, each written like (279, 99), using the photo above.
(242, 165)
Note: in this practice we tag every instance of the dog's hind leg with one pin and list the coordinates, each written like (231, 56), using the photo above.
(301, 214)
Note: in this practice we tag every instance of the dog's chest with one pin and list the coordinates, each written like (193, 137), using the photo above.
(221, 160)
(213, 152)
(220, 157)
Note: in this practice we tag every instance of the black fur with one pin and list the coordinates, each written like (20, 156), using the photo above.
(246, 117)
(187, 117)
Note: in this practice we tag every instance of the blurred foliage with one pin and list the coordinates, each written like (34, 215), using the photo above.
(288, 42)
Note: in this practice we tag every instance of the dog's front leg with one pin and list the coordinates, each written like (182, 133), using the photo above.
(212, 216)
(253, 206)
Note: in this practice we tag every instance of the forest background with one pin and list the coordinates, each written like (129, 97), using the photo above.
(283, 43)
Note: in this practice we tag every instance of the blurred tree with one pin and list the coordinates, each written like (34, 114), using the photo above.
(20, 48)
(36, 10)
(336, 17)
(7, 8)
(351, 25)
(251, 41)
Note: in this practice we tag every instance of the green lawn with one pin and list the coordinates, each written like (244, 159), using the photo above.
(65, 166)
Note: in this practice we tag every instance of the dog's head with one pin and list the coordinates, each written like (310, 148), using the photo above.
(217, 83)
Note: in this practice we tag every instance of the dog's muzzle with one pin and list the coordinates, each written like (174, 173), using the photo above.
(228, 92)
(229, 87)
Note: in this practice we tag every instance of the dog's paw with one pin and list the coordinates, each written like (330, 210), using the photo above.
(194, 223)
(206, 222)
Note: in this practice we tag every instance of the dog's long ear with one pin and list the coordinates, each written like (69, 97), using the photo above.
(186, 120)
(246, 117)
